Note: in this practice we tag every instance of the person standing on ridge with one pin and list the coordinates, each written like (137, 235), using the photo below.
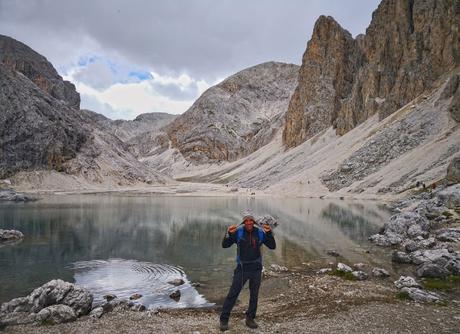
(248, 239)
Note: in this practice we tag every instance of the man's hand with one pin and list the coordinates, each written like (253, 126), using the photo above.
(232, 229)
(266, 228)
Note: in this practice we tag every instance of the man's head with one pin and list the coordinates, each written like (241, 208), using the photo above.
(249, 221)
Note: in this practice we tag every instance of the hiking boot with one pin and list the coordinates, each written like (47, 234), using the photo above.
(223, 325)
(251, 323)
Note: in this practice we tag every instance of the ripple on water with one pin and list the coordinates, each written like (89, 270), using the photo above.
(127, 277)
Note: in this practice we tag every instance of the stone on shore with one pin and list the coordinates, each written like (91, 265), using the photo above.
(176, 282)
(54, 293)
(380, 272)
(175, 295)
(360, 275)
(451, 196)
(406, 282)
(432, 270)
(453, 171)
(401, 257)
(135, 296)
(332, 252)
(449, 234)
(56, 314)
(420, 295)
(12, 196)
(344, 268)
(10, 235)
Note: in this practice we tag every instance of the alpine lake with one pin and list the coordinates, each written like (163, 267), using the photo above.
(122, 245)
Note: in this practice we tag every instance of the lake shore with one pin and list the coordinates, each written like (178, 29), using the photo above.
(291, 302)
(195, 189)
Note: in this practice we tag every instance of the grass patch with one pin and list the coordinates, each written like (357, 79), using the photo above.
(447, 214)
(47, 322)
(342, 274)
(445, 284)
(401, 295)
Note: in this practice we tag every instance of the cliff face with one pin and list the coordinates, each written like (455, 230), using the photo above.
(36, 130)
(343, 81)
(19, 57)
(235, 117)
(325, 79)
(42, 130)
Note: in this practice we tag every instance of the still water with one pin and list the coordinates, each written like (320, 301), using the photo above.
(125, 244)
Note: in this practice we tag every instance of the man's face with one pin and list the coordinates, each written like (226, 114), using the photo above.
(249, 225)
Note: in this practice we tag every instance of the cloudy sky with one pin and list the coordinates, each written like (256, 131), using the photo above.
(131, 57)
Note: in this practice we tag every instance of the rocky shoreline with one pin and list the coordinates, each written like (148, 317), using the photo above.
(12, 196)
(291, 301)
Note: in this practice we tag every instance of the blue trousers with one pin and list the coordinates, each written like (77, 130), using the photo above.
(239, 279)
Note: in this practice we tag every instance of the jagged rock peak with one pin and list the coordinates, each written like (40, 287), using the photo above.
(325, 78)
(407, 46)
(19, 57)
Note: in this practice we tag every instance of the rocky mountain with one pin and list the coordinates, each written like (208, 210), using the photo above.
(235, 117)
(127, 130)
(21, 58)
(43, 132)
(343, 81)
(37, 130)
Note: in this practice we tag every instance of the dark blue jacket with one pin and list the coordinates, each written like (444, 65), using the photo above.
(249, 247)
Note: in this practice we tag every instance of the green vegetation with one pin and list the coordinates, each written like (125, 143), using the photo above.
(344, 275)
(447, 214)
(447, 284)
(47, 322)
(401, 295)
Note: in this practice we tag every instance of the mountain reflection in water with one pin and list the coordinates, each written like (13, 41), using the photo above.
(183, 232)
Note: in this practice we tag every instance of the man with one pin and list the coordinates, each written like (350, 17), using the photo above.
(249, 239)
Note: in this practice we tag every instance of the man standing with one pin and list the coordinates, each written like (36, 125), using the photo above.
(249, 239)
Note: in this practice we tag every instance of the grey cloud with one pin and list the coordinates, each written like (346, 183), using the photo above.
(174, 92)
(207, 39)
(91, 103)
(96, 75)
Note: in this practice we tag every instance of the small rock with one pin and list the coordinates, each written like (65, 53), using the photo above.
(359, 266)
(175, 295)
(138, 308)
(359, 275)
(380, 272)
(96, 312)
(136, 296)
(401, 257)
(110, 297)
(196, 284)
(344, 268)
(411, 246)
(420, 295)
(177, 282)
(57, 314)
(432, 270)
(406, 282)
(332, 252)
(324, 270)
(10, 235)
(278, 268)
(449, 235)
(450, 196)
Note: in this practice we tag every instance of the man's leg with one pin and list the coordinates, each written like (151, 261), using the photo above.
(254, 285)
(235, 289)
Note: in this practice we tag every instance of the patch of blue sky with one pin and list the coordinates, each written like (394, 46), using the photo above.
(86, 60)
(140, 75)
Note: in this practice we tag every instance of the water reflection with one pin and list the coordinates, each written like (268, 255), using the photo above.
(184, 232)
(127, 277)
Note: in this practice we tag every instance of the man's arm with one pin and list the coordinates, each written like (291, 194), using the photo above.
(269, 240)
(229, 238)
